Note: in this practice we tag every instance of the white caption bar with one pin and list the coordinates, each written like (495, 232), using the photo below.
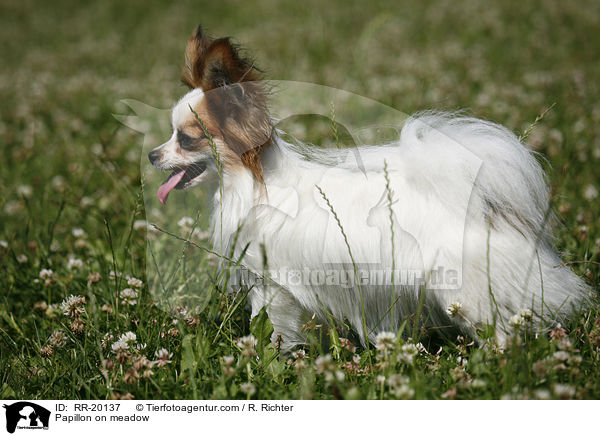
(157, 417)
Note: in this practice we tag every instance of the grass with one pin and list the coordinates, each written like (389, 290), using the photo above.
(70, 189)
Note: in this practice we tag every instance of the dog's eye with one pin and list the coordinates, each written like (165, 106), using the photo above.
(186, 142)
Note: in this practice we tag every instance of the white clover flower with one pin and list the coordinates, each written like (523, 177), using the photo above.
(163, 353)
(385, 341)
(185, 221)
(52, 310)
(46, 351)
(380, 379)
(526, 314)
(396, 380)
(86, 202)
(247, 344)
(58, 339)
(561, 356)
(454, 309)
(74, 263)
(120, 346)
(201, 234)
(46, 274)
(543, 394)
(12, 207)
(22, 258)
(94, 277)
(134, 283)
(4, 245)
(79, 233)
(72, 306)
(520, 319)
(407, 353)
(410, 348)
(399, 386)
(590, 192)
(403, 392)
(324, 364)
(299, 355)
(163, 356)
(248, 389)
(563, 392)
(249, 340)
(58, 182)
(336, 375)
(406, 358)
(24, 190)
(129, 296)
(128, 337)
(143, 365)
(478, 383)
(516, 321)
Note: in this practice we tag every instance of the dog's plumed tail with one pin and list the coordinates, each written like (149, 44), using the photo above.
(510, 183)
(510, 200)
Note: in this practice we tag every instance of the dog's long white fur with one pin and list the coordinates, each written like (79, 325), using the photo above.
(467, 196)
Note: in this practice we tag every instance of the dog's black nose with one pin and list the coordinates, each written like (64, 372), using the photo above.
(153, 156)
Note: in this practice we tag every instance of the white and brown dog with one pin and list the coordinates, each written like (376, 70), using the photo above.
(431, 208)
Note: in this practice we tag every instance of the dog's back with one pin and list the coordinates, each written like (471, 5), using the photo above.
(469, 224)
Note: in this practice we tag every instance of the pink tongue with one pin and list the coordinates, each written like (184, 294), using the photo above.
(165, 188)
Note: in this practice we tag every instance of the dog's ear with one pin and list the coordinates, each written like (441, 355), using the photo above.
(195, 55)
(224, 66)
(210, 64)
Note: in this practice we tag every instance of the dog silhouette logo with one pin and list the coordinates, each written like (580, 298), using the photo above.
(26, 415)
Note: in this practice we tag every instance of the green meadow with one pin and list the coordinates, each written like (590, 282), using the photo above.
(80, 318)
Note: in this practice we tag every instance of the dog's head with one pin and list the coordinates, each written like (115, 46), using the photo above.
(222, 124)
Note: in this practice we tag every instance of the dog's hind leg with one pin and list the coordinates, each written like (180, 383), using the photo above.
(285, 313)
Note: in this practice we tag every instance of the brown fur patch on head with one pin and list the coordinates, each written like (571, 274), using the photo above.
(235, 100)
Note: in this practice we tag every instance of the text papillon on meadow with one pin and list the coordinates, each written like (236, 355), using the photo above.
(450, 223)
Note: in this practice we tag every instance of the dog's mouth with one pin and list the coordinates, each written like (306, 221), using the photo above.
(180, 178)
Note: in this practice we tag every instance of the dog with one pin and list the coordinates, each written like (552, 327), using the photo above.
(455, 197)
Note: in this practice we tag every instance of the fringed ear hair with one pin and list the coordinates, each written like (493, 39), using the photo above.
(195, 54)
(224, 66)
(212, 63)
